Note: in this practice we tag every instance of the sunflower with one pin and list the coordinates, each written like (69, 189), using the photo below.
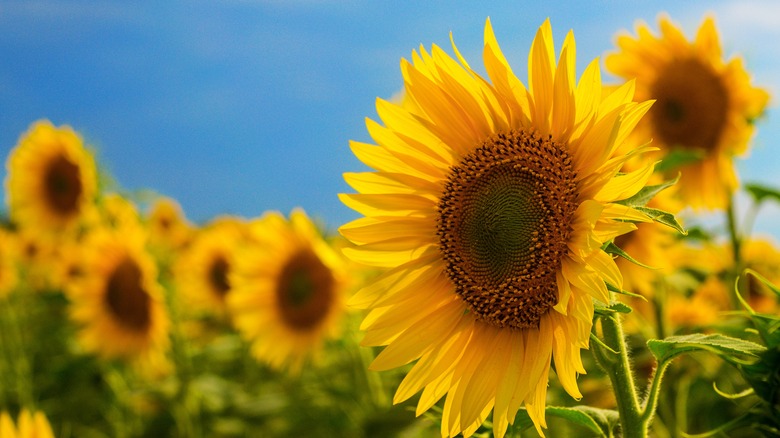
(202, 270)
(28, 425)
(705, 106)
(288, 287)
(168, 227)
(117, 302)
(51, 179)
(488, 208)
(118, 212)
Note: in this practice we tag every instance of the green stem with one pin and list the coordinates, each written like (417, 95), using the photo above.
(736, 239)
(651, 402)
(736, 247)
(622, 377)
(15, 344)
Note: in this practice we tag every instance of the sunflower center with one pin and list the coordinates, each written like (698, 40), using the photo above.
(126, 297)
(305, 290)
(691, 105)
(218, 275)
(504, 223)
(62, 185)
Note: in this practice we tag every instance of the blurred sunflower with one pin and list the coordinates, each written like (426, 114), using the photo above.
(202, 269)
(28, 425)
(489, 207)
(118, 212)
(705, 106)
(8, 262)
(36, 256)
(168, 228)
(117, 302)
(51, 179)
(288, 288)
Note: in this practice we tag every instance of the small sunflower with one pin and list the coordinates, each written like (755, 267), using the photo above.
(488, 208)
(28, 425)
(203, 268)
(288, 290)
(705, 105)
(51, 179)
(118, 212)
(168, 227)
(117, 302)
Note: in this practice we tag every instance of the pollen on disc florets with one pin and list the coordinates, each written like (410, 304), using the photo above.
(504, 222)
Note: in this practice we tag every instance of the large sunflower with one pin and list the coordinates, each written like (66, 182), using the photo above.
(287, 292)
(489, 205)
(705, 105)
(118, 302)
(202, 269)
(51, 179)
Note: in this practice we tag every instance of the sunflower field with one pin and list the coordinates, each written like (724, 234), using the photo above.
(531, 258)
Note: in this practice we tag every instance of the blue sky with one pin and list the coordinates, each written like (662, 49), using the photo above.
(238, 107)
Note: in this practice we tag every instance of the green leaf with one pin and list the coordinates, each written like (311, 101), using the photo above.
(679, 157)
(731, 349)
(761, 193)
(643, 196)
(599, 421)
(611, 248)
(662, 217)
(744, 393)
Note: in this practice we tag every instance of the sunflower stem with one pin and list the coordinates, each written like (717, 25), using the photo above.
(736, 248)
(736, 239)
(651, 402)
(622, 377)
(14, 344)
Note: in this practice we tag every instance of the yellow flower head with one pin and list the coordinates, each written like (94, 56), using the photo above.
(51, 179)
(488, 207)
(118, 302)
(28, 425)
(202, 270)
(287, 292)
(705, 104)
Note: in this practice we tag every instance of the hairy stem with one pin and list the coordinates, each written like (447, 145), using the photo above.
(622, 377)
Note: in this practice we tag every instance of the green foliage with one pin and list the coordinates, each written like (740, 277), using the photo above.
(677, 158)
(761, 193)
(599, 422)
(731, 349)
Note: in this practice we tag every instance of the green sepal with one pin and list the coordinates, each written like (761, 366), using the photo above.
(612, 288)
(643, 196)
(662, 217)
(730, 349)
(611, 248)
(679, 157)
(613, 307)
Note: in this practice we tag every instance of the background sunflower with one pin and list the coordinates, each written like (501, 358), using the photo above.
(288, 290)
(705, 110)
(51, 182)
